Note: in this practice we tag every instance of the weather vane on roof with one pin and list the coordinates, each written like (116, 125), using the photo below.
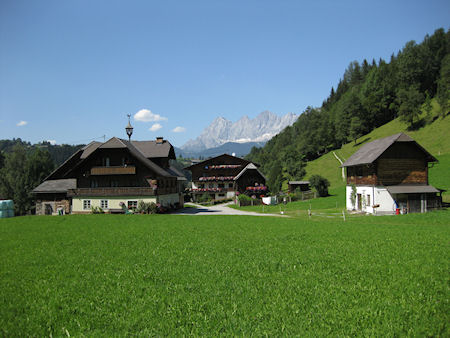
(129, 128)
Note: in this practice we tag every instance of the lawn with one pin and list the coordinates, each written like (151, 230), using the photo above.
(224, 275)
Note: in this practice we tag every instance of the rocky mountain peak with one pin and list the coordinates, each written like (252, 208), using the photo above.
(260, 129)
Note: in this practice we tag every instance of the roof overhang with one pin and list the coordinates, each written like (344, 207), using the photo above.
(411, 189)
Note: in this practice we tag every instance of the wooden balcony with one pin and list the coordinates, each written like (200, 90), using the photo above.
(119, 170)
(120, 191)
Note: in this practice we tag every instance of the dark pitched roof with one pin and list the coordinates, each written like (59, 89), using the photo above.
(369, 152)
(212, 159)
(249, 166)
(152, 149)
(142, 153)
(139, 155)
(54, 186)
(175, 172)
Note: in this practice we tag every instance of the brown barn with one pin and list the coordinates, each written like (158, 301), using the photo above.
(391, 175)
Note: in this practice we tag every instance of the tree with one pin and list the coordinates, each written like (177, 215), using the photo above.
(409, 101)
(320, 183)
(21, 173)
(356, 128)
(443, 90)
(275, 178)
(13, 179)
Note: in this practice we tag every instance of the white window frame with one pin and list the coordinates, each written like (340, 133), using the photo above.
(86, 204)
(104, 204)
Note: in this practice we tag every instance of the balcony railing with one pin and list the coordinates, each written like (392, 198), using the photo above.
(116, 191)
(118, 170)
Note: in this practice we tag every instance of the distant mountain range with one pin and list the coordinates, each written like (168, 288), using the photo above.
(239, 149)
(239, 137)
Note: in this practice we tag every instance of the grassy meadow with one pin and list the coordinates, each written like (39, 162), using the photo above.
(225, 275)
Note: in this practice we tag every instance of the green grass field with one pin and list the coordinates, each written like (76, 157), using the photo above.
(225, 275)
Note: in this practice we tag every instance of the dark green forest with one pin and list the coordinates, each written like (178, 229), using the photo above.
(23, 166)
(368, 95)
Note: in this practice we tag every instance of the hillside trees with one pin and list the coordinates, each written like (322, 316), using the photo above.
(368, 96)
(21, 173)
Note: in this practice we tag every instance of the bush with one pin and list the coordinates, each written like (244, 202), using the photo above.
(244, 198)
(147, 208)
(321, 184)
(97, 210)
(204, 198)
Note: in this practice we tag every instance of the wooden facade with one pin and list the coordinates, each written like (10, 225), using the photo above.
(389, 175)
(224, 176)
(400, 164)
(117, 169)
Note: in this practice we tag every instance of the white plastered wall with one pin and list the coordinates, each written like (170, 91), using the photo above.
(378, 196)
(113, 202)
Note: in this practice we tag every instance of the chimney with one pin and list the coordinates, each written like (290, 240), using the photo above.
(159, 140)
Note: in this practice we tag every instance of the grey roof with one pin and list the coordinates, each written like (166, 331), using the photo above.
(89, 149)
(150, 164)
(298, 182)
(152, 149)
(175, 172)
(369, 152)
(411, 189)
(55, 186)
(249, 166)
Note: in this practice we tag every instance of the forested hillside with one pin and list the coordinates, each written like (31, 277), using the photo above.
(369, 95)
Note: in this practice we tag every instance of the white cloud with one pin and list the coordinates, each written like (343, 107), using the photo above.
(155, 127)
(145, 115)
(21, 123)
(179, 129)
(52, 142)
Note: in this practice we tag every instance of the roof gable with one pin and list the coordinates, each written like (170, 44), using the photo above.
(217, 160)
(371, 151)
(249, 166)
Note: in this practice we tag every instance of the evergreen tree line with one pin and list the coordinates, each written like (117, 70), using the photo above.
(24, 166)
(369, 95)
(21, 170)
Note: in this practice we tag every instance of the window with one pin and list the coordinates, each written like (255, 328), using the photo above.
(359, 171)
(221, 185)
(86, 204)
(230, 185)
(368, 200)
(132, 204)
(104, 204)
(106, 161)
(94, 184)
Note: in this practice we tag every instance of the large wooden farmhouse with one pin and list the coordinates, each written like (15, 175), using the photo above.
(111, 174)
(225, 176)
(391, 175)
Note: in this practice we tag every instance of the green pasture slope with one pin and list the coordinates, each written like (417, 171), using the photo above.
(168, 275)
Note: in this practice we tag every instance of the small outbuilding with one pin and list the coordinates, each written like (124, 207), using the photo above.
(301, 185)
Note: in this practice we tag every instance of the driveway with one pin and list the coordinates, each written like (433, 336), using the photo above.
(219, 209)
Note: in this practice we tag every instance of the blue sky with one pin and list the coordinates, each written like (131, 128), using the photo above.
(70, 71)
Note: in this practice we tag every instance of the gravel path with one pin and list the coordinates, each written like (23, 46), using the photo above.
(219, 209)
